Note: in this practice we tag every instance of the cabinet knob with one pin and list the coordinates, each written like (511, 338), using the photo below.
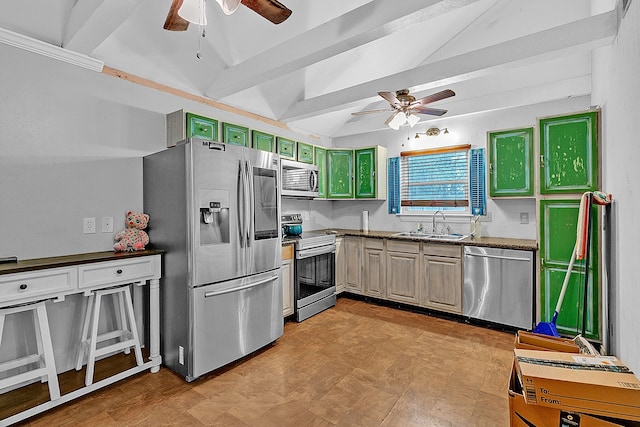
(23, 286)
(119, 271)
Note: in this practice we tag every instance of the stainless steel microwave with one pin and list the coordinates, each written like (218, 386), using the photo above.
(299, 179)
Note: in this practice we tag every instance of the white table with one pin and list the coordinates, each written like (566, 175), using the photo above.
(56, 277)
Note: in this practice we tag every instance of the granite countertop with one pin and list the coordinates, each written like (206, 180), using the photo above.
(493, 242)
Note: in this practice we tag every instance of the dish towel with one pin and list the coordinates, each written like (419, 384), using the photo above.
(583, 225)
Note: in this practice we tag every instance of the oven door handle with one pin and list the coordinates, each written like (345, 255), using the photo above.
(308, 253)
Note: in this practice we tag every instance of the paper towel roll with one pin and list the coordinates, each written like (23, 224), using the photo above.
(365, 220)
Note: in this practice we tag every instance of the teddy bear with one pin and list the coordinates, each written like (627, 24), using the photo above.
(133, 238)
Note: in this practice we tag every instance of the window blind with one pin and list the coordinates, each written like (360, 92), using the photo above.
(477, 182)
(435, 178)
(393, 185)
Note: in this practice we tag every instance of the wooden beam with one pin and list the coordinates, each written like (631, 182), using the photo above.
(186, 95)
(588, 33)
(362, 25)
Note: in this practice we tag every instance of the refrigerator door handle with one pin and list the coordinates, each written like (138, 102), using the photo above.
(251, 200)
(241, 203)
(240, 288)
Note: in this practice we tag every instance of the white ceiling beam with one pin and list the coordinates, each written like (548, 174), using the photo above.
(588, 33)
(92, 21)
(360, 26)
(537, 94)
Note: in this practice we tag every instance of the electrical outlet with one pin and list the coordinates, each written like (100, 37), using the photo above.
(305, 215)
(89, 225)
(107, 224)
(524, 218)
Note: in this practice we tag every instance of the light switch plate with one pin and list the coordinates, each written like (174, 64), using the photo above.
(107, 224)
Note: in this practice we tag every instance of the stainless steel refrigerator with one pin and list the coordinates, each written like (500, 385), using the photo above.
(215, 209)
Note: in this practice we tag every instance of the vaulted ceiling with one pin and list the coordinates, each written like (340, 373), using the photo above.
(331, 57)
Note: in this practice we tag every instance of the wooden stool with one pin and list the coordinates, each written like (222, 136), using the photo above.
(127, 331)
(46, 370)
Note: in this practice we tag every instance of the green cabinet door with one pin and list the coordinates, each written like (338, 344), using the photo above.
(202, 127)
(320, 160)
(234, 134)
(340, 174)
(569, 153)
(305, 152)
(558, 221)
(510, 163)
(263, 141)
(365, 185)
(286, 147)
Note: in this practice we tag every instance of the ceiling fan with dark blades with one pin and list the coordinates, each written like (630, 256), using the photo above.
(405, 107)
(271, 10)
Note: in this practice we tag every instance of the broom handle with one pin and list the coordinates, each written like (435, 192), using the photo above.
(566, 281)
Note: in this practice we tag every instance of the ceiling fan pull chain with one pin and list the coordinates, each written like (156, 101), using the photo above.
(202, 29)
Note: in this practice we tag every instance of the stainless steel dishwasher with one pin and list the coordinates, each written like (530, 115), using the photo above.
(498, 286)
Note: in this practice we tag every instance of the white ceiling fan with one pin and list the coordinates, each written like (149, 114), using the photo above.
(405, 107)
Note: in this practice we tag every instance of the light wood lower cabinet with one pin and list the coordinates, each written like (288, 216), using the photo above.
(374, 267)
(341, 270)
(353, 264)
(403, 272)
(442, 287)
(287, 280)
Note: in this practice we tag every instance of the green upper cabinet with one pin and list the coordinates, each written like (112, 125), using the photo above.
(340, 174)
(370, 173)
(510, 163)
(286, 147)
(263, 141)
(569, 153)
(320, 160)
(202, 127)
(365, 173)
(234, 134)
(558, 221)
(305, 153)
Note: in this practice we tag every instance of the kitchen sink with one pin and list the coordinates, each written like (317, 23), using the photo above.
(430, 236)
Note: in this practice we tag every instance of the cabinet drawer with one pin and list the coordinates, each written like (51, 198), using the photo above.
(406, 247)
(30, 285)
(116, 272)
(374, 243)
(287, 252)
(202, 127)
(234, 134)
(451, 251)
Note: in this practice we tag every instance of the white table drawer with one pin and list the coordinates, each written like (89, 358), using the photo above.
(29, 286)
(117, 272)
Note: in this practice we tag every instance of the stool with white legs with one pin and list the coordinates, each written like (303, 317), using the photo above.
(46, 367)
(126, 334)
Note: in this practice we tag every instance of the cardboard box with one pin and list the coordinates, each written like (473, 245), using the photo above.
(532, 341)
(523, 415)
(599, 385)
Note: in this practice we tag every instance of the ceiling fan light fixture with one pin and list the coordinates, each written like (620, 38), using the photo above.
(194, 11)
(412, 119)
(398, 120)
(446, 131)
(229, 6)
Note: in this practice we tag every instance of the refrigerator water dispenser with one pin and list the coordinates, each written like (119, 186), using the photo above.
(214, 217)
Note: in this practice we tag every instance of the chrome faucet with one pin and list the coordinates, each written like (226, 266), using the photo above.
(433, 220)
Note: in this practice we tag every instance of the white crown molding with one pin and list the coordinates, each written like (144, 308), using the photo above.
(55, 52)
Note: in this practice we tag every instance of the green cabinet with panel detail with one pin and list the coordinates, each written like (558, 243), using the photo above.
(370, 173)
(320, 160)
(182, 125)
(510, 163)
(305, 153)
(286, 147)
(234, 134)
(340, 174)
(558, 221)
(569, 153)
(263, 141)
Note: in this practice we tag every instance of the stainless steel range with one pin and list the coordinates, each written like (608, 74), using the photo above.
(315, 255)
